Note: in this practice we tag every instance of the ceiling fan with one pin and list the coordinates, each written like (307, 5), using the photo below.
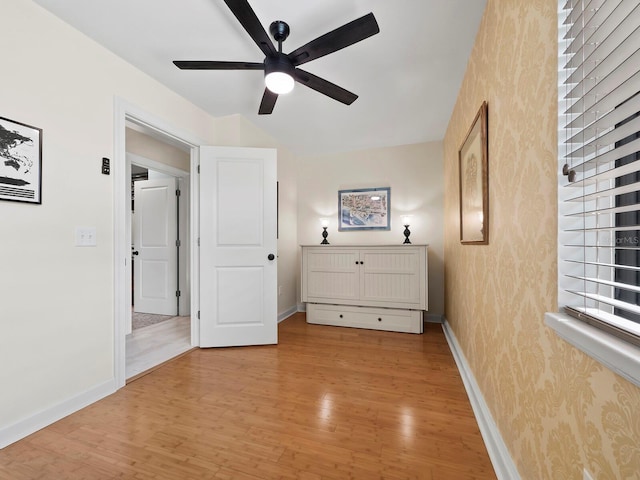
(281, 69)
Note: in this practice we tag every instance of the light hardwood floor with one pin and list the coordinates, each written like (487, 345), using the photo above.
(150, 346)
(326, 403)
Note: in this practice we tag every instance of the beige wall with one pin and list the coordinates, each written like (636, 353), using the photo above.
(146, 146)
(56, 300)
(288, 265)
(558, 410)
(415, 175)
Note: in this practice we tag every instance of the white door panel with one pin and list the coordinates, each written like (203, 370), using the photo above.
(240, 201)
(238, 281)
(154, 238)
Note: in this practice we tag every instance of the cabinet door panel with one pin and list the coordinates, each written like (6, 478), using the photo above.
(391, 276)
(332, 274)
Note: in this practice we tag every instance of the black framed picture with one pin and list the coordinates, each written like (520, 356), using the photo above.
(20, 162)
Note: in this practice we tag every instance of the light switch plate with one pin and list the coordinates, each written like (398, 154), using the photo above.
(85, 236)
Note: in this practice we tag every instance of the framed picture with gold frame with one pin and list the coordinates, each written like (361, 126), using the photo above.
(474, 182)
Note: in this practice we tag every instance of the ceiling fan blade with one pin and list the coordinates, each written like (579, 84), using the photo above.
(268, 102)
(213, 65)
(248, 19)
(335, 40)
(325, 87)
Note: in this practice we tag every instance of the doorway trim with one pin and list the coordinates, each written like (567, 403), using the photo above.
(123, 112)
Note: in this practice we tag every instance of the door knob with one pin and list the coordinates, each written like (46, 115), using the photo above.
(271, 256)
(135, 252)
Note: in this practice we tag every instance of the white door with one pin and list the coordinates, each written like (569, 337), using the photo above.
(155, 276)
(238, 266)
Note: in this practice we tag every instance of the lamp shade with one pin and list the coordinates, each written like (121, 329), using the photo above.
(406, 219)
(324, 222)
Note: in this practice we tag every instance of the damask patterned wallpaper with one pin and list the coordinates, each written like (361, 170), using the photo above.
(557, 409)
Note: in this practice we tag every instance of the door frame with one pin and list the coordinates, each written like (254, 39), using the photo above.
(126, 112)
(184, 184)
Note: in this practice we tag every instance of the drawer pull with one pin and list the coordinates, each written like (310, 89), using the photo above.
(379, 319)
(340, 315)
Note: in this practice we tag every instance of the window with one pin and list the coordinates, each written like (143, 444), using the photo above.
(599, 153)
(627, 252)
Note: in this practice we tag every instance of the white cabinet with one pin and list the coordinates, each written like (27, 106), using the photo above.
(381, 287)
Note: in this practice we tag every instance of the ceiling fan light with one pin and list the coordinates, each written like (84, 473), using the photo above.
(279, 82)
(279, 74)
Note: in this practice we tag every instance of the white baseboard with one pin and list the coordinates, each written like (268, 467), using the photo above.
(22, 428)
(498, 452)
(433, 318)
(287, 313)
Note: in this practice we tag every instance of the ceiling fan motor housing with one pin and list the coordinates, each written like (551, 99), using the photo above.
(279, 63)
(279, 30)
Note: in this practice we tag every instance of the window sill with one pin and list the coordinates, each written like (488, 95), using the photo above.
(612, 352)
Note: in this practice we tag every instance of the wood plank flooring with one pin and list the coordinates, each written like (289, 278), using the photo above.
(326, 403)
(150, 346)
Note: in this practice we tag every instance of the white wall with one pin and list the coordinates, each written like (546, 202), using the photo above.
(416, 177)
(56, 300)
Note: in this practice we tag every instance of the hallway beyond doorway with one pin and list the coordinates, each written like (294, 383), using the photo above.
(143, 320)
(151, 346)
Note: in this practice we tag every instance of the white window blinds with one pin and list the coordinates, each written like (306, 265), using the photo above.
(599, 154)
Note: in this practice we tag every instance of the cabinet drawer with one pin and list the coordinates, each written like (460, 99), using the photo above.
(409, 321)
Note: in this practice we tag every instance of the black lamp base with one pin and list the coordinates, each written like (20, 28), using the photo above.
(324, 236)
(406, 235)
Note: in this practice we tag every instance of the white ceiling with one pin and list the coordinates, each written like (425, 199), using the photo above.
(407, 76)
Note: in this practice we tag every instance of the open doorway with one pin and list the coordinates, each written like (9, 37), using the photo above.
(128, 115)
(231, 173)
(160, 241)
